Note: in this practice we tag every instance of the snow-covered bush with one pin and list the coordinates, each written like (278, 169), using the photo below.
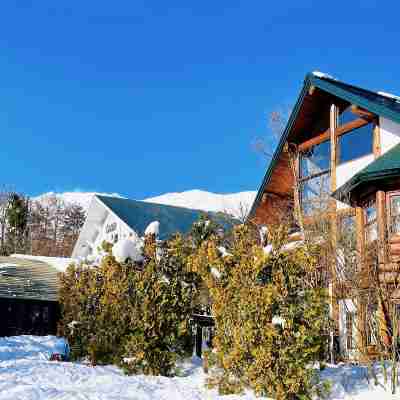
(152, 229)
(270, 320)
(128, 249)
(134, 314)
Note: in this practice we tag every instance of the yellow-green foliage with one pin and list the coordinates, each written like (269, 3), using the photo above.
(249, 289)
(137, 313)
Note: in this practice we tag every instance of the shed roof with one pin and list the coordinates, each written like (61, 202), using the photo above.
(385, 167)
(28, 279)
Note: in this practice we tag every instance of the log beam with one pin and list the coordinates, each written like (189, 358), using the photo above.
(341, 130)
(361, 112)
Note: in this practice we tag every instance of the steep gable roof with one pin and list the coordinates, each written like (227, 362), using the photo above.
(378, 103)
(139, 214)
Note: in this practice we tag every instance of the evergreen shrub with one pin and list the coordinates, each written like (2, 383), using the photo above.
(135, 315)
(271, 321)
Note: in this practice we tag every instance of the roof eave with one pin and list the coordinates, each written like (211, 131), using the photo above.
(328, 86)
(279, 148)
(344, 193)
(352, 98)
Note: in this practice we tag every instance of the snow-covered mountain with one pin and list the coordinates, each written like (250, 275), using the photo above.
(81, 198)
(236, 204)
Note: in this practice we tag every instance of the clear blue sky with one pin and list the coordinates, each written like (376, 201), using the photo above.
(148, 97)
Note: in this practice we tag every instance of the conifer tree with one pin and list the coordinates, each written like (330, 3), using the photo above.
(133, 314)
(203, 229)
(17, 214)
(73, 219)
(270, 323)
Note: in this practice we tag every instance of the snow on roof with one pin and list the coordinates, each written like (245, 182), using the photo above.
(320, 74)
(390, 96)
(59, 263)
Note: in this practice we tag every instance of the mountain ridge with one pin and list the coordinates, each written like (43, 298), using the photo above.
(237, 204)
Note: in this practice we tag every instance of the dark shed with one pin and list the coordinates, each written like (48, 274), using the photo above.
(28, 297)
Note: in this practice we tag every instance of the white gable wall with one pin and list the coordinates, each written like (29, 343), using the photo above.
(101, 225)
(390, 134)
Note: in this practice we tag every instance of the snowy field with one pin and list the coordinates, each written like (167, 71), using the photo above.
(26, 373)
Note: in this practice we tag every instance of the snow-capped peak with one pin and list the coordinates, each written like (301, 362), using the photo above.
(236, 204)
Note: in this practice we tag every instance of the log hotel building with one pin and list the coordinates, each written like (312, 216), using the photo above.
(341, 148)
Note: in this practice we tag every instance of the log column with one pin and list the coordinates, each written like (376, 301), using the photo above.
(334, 116)
(360, 239)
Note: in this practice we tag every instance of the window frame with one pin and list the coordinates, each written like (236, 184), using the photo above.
(350, 319)
(367, 224)
(351, 129)
(389, 196)
(371, 325)
(302, 180)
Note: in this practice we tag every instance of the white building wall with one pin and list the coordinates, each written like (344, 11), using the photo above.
(390, 134)
(112, 229)
(347, 170)
(101, 225)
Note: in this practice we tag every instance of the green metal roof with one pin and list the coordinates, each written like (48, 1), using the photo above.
(28, 279)
(376, 103)
(139, 214)
(385, 167)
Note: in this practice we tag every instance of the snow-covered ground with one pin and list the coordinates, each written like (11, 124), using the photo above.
(27, 374)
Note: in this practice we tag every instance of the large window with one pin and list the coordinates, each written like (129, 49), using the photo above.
(357, 142)
(394, 213)
(371, 226)
(350, 318)
(372, 325)
(346, 246)
(315, 178)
